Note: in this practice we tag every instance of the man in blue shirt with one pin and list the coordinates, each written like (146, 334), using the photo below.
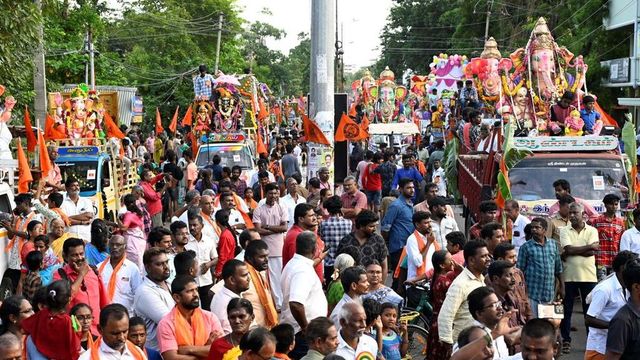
(407, 171)
(399, 217)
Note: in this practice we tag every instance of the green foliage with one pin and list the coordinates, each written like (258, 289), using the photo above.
(450, 165)
(18, 37)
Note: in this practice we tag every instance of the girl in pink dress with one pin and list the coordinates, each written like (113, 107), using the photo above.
(132, 226)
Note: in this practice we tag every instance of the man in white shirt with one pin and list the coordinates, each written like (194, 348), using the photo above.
(113, 344)
(355, 283)
(262, 166)
(292, 199)
(206, 255)
(210, 229)
(79, 210)
(152, 300)
(512, 211)
(486, 310)
(630, 239)
(236, 220)
(441, 224)
(236, 281)
(353, 344)
(604, 302)
(304, 299)
(419, 247)
(120, 274)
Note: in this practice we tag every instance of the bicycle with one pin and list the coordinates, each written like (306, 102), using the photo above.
(417, 336)
(422, 305)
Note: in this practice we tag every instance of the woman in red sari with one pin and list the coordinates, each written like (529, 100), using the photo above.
(240, 315)
(445, 271)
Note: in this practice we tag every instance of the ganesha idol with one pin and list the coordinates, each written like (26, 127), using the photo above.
(389, 96)
(360, 91)
(484, 71)
(226, 110)
(543, 68)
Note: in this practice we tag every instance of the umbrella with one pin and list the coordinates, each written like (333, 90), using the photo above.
(227, 79)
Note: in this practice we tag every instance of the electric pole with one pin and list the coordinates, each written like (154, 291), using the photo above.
(92, 71)
(218, 44)
(486, 26)
(321, 105)
(39, 76)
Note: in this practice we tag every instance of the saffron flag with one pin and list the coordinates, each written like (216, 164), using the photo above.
(51, 131)
(159, 128)
(45, 161)
(187, 120)
(352, 110)
(111, 128)
(364, 125)
(261, 148)
(174, 121)
(24, 173)
(31, 137)
(262, 112)
(312, 132)
(349, 130)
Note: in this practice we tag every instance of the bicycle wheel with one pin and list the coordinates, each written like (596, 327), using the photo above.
(417, 342)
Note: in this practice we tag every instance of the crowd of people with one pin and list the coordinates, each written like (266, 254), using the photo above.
(203, 263)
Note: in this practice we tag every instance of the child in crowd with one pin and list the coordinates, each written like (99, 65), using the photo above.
(591, 117)
(50, 262)
(373, 326)
(285, 341)
(138, 336)
(395, 339)
(32, 281)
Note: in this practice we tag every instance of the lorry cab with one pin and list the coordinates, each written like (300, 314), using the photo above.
(233, 149)
(101, 179)
(593, 166)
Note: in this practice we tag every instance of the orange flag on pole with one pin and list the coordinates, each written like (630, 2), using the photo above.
(352, 110)
(261, 148)
(31, 137)
(45, 161)
(111, 128)
(187, 120)
(24, 173)
(312, 132)
(262, 113)
(174, 121)
(159, 128)
(50, 130)
(349, 130)
(364, 125)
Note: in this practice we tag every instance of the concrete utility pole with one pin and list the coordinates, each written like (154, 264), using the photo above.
(486, 25)
(321, 106)
(92, 70)
(39, 77)
(215, 70)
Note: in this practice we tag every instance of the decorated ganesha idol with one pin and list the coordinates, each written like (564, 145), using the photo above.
(389, 96)
(484, 71)
(360, 90)
(543, 68)
(227, 111)
(76, 112)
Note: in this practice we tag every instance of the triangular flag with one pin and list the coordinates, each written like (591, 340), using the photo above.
(352, 110)
(31, 136)
(24, 173)
(261, 148)
(174, 121)
(51, 132)
(312, 132)
(187, 120)
(45, 161)
(348, 130)
(364, 124)
(112, 130)
(262, 113)
(159, 128)
(194, 143)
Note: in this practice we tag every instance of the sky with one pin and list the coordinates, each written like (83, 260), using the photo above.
(362, 24)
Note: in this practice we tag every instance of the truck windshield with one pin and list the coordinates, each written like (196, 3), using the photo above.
(591, 179)
(230, 155)
(85, 171)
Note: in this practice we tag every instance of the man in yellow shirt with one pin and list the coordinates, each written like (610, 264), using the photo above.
(579, 243)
